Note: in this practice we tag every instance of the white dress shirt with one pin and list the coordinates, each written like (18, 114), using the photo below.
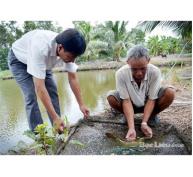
(37, 49)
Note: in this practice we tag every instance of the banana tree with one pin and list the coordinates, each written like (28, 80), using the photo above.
(85, 28)
(95, 49)
(119, 37)
(154, 46)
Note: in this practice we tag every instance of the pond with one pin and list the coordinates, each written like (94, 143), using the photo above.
(13, 121)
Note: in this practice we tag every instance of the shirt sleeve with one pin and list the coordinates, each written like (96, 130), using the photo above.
(121, 86)
(70, 67)
(155, 84)
(36, 62)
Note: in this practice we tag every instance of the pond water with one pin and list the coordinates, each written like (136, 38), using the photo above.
(13, 121)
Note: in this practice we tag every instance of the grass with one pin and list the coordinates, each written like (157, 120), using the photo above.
(173, 77)
(175, 63)
(4, 74)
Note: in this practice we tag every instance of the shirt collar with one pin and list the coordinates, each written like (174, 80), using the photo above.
(132, 80)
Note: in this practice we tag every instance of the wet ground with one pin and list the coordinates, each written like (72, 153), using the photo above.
(92, 134)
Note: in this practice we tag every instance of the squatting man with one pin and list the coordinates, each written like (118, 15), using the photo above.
(138, 90)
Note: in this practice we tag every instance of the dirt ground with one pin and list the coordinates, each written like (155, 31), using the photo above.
(179, 114)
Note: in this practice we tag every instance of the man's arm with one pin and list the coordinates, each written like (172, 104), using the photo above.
(149, 106)
(74, 84)
(46, 100)
(129, 114)
(44, 96)
(154, 87)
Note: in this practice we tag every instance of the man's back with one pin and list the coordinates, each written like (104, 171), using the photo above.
(36, 38)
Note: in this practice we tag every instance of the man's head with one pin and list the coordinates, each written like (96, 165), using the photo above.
(71, 44)
(138, 59)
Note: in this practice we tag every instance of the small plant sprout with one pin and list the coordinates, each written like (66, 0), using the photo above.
(46, 139)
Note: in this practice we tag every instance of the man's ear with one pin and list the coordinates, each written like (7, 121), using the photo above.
(59, 48)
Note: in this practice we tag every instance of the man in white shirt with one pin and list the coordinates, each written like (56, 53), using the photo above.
(31, 59)
(138, 90)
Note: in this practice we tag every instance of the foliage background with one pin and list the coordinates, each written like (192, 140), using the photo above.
(108, 40)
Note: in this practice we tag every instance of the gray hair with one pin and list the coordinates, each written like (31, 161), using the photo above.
(137, 52)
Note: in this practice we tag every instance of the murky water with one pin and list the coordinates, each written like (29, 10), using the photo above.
(13, 121)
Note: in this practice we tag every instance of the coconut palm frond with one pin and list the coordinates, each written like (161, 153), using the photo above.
(183, 28)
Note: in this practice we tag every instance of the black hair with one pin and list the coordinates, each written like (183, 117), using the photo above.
(72, 41)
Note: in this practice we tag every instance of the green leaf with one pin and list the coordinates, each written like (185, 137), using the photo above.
(21, 145)
(66, 122)
(36, 146)
(76, 142)
(30, 134)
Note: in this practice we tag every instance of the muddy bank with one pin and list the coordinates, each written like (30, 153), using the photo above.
(179, 114)
(103, 65)
(93, 134)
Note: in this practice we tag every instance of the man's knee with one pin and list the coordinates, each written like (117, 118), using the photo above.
(112, 100)
(114, 103)
(169, 95)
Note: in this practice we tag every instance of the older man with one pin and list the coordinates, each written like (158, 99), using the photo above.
(31, 59)
(138, 90)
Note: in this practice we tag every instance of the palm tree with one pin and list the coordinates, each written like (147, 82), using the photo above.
(183, 28)
(154, 46)
(120, 36)
(92, 35)
(85, 28)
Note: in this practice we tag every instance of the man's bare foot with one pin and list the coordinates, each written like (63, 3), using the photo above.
(131, 135)
(146, 130)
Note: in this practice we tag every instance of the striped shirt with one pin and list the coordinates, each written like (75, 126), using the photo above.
(128, 88)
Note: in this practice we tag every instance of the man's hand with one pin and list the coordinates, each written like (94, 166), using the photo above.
(131, 134)
(59, 125)
(85, 111)
(146, 130)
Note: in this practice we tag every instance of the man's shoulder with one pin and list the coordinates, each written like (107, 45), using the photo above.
(153, 69)
(153, 72)
(123, 69)
(44, 34)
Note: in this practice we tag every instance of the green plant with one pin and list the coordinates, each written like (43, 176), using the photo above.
(46, 139)
(183, 28)
(5, 73)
